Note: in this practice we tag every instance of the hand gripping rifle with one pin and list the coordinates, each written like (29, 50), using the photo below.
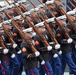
(68, 17)
(10, 37)
(57, 46)
(63, 30)
(5, 51)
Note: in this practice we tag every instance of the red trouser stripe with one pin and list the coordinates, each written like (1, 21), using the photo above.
(45, 66)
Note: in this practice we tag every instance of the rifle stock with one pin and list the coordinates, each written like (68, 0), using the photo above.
(74, 1)
(8, 34)
(32, 3)
(8, 2)
(68, 8)
(2, 44)
(72, 4)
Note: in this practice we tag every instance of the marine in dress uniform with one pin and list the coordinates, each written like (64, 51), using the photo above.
(29, 58)
(73, 36)
(3, 66)
(46, 68)
(66, 49)
(12, 58)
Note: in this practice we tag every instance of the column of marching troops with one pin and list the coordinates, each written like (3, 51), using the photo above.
(41, 41)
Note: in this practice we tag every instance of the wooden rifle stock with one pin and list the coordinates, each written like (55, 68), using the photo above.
(68, 8)
(23, 35)
(15, 1)
(8, 2)
(23, 7)
(72, 4)
(63, 30)
(8, 16)
(8, 34)
(74, 1)
(32, 3)
(2, 44)
(40, 1)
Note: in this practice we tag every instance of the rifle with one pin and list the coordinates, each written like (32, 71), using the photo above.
(67, 7)
(10, 37)
(15, 1)
(68, 17)
(8, 2)
(5, 51)
(74, 1)
(72, 4)
(49, 29)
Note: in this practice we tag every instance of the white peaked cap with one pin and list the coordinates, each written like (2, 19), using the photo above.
(61, 17)
(21, 1)
(17, 18)
(6, 22)
(34, 9)
(27, 13)
(50, 20)
(27, 30)
(0, 24)
(41, 5)
(71, 12)
(49, 2)
(41, 24)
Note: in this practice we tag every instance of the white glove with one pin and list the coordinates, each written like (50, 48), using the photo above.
(14, 45)
(70, 40)
(55, 55)
(5, 51)
(0, 61)
(43, 62)
(49, 48)
(13, 55)
(37, 53)
(57, 46)
(19, 52)
(75, 46)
